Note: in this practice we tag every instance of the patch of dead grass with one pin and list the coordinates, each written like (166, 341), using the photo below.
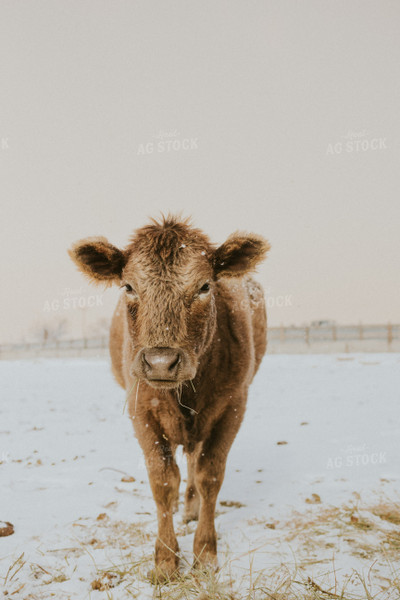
(368, 533)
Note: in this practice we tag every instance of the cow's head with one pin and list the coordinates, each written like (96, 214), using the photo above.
(168, 273)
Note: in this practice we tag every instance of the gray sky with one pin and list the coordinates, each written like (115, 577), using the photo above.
(279, 117)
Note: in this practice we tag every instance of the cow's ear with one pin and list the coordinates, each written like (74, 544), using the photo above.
(241, 253)
(99, 260)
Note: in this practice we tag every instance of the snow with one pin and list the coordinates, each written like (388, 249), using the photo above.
(317, 451)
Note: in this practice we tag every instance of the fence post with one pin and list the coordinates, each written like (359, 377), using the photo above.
(389, 333)
(334, 335)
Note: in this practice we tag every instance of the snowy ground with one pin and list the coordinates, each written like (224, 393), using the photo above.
(310, 500)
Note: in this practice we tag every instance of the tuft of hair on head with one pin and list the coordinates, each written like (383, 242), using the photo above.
(158, 228)
(164, 239)
(169, 220)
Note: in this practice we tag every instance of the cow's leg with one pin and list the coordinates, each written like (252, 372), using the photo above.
(164, 479)
(175, 502)
(210, 470)
(192, 497)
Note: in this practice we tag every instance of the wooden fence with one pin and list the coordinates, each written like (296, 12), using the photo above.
(280, 339)
(55, 347)
(334, 338)
(310, 334)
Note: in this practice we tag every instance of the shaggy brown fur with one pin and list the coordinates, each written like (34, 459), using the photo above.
(186, 340)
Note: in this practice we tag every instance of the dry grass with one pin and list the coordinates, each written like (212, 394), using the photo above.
(367, 533)
(317, 539)
(282, 583)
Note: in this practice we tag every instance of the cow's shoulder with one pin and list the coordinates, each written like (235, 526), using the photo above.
(239, 295)
(234, 340)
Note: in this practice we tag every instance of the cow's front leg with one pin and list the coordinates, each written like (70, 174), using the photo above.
(210, 470)
(164, 479)
(192, 497)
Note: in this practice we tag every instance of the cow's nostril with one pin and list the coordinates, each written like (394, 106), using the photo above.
(146, 363)
(175, 363)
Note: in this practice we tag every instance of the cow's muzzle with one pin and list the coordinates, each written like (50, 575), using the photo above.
(163, 367)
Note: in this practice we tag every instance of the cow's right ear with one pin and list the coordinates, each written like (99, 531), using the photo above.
(99, 260)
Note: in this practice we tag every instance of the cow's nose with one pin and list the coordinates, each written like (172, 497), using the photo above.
(161, 363)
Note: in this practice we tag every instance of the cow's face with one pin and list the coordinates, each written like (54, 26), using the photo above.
(168, 274)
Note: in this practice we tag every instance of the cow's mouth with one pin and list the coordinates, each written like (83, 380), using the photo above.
(163, 383)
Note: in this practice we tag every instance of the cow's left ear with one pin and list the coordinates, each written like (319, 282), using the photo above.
(241, 253)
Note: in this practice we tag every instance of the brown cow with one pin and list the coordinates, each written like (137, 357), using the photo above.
(186, 340)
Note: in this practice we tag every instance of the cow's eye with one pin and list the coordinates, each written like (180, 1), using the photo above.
(128, 288)
(204, 288)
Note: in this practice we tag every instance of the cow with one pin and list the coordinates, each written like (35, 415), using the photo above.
(186, 339)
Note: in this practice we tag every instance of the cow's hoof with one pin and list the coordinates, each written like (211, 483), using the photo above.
(162, 574)
(206, 562)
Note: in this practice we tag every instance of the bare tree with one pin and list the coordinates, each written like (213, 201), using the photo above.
(99, 328)
(50, 331)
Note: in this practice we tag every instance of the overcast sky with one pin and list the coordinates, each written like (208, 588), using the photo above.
(279, 117)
